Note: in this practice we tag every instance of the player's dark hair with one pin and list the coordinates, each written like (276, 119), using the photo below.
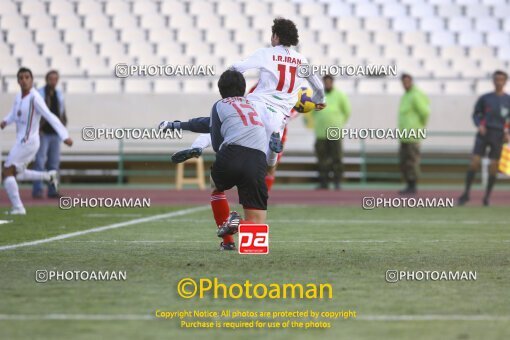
(24, 70)
(50, 72)
(232, 84)
(499, 73)
(286, 31)
(406, 75)
(327, 76)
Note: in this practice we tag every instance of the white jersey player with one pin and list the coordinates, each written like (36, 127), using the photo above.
(26, 113)
(279, 82)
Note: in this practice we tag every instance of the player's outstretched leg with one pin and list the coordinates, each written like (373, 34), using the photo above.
(32, 175)
(184, 155)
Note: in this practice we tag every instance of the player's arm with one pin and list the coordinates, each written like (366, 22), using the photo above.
(506, 128)
(319, 98)
(421, 104)
(9, 118)
(252, 62)
(215, 127)
(42, 109)
(198, 125)
(479, 116)
(345, 106)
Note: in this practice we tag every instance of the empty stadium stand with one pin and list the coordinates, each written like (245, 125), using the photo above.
(446, 40)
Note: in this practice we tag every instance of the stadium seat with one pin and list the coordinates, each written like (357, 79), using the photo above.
(376, 24)
(497, 39)
(394, 10)
(470, 39)
(459, 24)
(11, 85)
(458, 87)
(394, 87)
(133, 85)
(405, 24)
(449, 10)
(421, 10)
(78, 85)
(430, 87)
(432, 24)
(107, 86)
(501, 10)
(371, 86)
(197, 86)
(339, 10)
(483, 86)
(477, 11)
(442, 38)
(167, 86)
(366, 10)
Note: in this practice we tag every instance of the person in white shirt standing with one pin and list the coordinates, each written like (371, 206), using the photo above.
(26, 112)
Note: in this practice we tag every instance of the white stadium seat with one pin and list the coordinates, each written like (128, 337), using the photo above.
(366, 10)
(107, 85)
(458, 87)
(163, 85)
(483, 86)
(197, 86)
(394, 10)
(486, 24)
(78, 85)
(430, 87)
(371, 86)
(421, 10)
(467, 38)
(339, 10)
(134, 85)
(449, 10)
(442, 38)
(459, 24)
(432, 24)
(405, 24)
(477, 10)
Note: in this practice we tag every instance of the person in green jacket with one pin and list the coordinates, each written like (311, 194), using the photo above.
(413, 114)
(329, 150)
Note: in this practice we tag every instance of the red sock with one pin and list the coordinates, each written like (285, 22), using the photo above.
(269, 182)
(221, 211)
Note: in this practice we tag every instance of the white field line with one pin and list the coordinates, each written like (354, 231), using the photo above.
(212, 240)
(106, 227)
(343, 221)
(143, 317)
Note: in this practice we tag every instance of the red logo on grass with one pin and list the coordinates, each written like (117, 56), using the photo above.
(253, 239)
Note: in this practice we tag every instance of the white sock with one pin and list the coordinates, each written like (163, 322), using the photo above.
(203, 141)
(32, 175)
(271, 158)
(11, 186)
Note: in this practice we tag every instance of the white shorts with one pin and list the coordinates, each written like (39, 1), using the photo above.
(274, 120)
(22, 154)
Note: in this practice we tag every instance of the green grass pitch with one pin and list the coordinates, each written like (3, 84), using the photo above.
(345, 246)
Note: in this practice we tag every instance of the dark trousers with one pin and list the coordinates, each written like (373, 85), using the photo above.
(329, 155)
(410, 161)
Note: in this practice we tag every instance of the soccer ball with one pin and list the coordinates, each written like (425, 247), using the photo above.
(305, 103)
